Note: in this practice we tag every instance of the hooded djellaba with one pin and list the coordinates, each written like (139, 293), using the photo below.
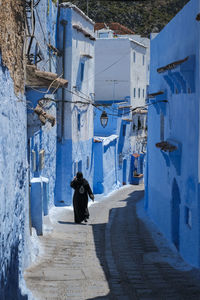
(80, 198)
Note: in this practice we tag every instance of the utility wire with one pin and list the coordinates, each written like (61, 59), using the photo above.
(93, 104)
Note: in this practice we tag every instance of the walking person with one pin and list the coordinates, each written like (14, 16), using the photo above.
(80, 198)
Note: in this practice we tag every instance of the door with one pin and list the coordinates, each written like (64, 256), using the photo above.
(124, 171)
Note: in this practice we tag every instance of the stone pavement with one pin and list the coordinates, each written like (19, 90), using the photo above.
(112, 257)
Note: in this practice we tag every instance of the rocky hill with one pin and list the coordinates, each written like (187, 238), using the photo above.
(141, 16)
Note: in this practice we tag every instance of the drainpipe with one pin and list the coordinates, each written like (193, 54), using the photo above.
(64, 24)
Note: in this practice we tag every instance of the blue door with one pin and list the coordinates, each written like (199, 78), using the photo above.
(124, 171)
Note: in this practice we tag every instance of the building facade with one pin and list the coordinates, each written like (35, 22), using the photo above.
(128, 84)
(172, 185)
(40, 91)
(121, 77)
(14, 207)
(112, 149)
(75, 110)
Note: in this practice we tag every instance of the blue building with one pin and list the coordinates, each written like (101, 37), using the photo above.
(172, 185)
(14, 208)
(28, 133)
(75, 110)
(42, 83)
(112, 148)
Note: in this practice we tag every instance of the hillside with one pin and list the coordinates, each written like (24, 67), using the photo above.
(143, 17)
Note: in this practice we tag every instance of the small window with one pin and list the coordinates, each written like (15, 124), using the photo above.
(134, 92)
(88, 162)
(138, 92)
(33, 161)
(143, 60)
(134, 57)
(143, 93)
(41, 159)
(103, 35)
(82, 70)
(79, 121)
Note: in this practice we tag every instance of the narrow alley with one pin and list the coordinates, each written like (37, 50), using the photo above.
(113, 256)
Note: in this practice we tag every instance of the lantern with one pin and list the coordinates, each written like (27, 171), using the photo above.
(104, 119)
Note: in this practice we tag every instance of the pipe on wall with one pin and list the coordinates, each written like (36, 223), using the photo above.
(64, 24)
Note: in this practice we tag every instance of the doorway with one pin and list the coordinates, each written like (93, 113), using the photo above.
(124, 171)
(175, 214)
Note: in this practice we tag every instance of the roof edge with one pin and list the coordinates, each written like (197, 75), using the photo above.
(78, 10)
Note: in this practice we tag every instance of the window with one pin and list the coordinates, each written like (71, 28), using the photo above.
(143, 93)
(80, 166)
(82, 70)
(79, 121)
(139, 125)
(138, 92)
(143, 60)
(103, 35)
(41, 159)
(134, 92)
(87, 162)
(134, 57)
(33, 160)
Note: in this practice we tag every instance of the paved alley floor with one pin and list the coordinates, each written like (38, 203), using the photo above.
(113, 256)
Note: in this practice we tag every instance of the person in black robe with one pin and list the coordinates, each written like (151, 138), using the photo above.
(80, 198)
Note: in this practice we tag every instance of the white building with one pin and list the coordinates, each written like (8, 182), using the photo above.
(122, 74)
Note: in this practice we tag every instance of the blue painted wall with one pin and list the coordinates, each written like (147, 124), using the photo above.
(112, 156)
(42, 138)
(172, 186)
(14, 204)
(71, 158)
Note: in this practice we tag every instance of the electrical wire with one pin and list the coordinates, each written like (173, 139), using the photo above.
(86, 103)
(108, 67)
(81, 97)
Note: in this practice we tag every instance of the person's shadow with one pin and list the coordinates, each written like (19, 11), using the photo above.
(71, 223)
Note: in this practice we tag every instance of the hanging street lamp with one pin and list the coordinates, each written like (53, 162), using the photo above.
(104, 119)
